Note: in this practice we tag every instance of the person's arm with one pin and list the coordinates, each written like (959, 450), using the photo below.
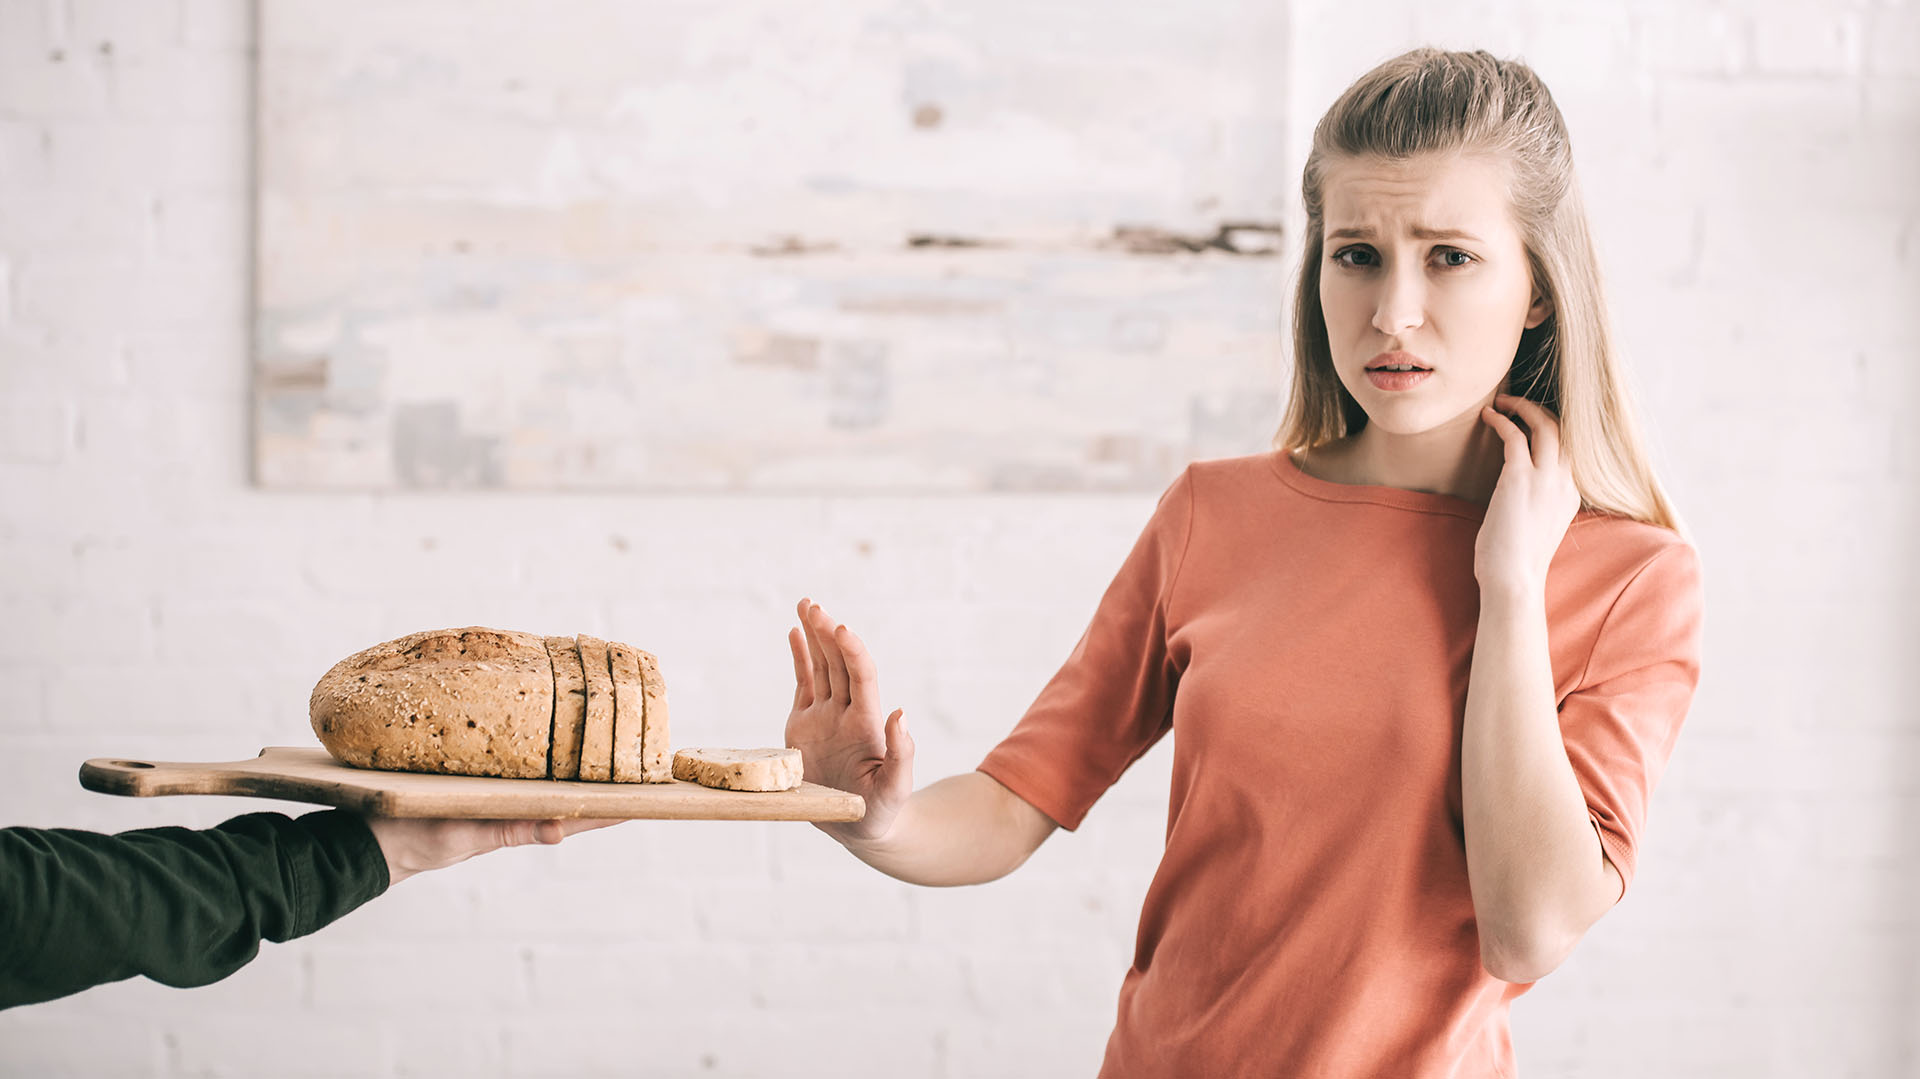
(181, 906)
(965, 829)
(186, 907)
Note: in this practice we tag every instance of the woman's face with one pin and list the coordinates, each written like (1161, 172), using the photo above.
(1422, 257)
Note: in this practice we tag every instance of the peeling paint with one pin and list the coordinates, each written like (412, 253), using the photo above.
(923, 240)
(793, 245)
(1249, 238)
(431, 450)
(757, 348)
(279, 376)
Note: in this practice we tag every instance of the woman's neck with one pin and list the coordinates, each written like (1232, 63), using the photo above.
(1452, 459)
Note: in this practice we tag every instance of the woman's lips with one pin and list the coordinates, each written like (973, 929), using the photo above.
(1397, 380)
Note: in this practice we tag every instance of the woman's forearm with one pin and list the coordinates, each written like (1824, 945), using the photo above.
(1538, 874)
(964, 829)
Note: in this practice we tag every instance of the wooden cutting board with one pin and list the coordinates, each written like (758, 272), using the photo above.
(311, 775)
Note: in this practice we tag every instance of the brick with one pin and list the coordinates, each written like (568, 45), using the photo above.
(62, 1041)
(1582, 51)
(35, 429)
(803, 977)
(1032, 1046)
(25, 147)
(41, 359)
(192, 632)
(1893, 43)
(177, 85)
(403, 975)
(295, 1045)
(1807, 41)
(599, 973)
(119, 30)
(58, 628)
(61, 226)
(876, 910)
(170, 155)
(203, 226)
(145, 297)
(216, 24)
(1767, 144)
(23, 697)
(1691, 39)
(173, 700)
(54, 84)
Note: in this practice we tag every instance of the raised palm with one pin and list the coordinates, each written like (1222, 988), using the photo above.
(836, 723)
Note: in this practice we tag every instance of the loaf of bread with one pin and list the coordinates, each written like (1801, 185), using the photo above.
(490, 702)
(739, 769)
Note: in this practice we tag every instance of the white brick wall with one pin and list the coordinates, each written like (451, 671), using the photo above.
(1753, 173)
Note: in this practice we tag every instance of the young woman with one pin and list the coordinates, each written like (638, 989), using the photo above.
(1423, 663)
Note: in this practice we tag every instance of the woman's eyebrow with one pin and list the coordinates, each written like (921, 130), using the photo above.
(1420, 232)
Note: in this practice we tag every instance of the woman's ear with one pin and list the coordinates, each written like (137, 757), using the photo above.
(1541, 310)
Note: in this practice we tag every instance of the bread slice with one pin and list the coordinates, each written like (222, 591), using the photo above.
(739, 769)
(629, 712)
(467, 701)
(569, 706)
(656, 749)
(596, 740)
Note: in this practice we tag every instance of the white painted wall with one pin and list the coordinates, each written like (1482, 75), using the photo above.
(1752, 173)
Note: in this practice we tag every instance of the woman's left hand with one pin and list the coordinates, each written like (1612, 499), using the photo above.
(1533, 503)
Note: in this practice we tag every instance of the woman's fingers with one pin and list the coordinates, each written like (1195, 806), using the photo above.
(826, 632)
(863, 679)
(802, 669)
(814, 649)
(1543, 428)
(1513, 440)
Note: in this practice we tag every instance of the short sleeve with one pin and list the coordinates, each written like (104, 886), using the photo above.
(1621, 722)
(1113, 697)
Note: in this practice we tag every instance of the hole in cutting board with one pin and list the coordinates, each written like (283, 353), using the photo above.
(131, 764)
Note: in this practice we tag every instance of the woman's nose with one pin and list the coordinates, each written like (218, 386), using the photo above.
(1402, 305)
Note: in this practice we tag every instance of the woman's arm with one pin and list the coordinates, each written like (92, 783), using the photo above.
(1538, 874)
(965, 829)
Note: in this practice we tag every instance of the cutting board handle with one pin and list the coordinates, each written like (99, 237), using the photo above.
(146, 779)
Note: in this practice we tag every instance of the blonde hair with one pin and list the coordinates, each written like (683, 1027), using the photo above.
(1434, 101)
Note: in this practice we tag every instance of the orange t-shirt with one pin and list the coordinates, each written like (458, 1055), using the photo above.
(1308, 643)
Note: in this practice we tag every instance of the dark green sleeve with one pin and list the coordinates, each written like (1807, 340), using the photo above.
(181, 906)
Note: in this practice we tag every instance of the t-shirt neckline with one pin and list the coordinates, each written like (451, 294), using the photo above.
(1289, 470)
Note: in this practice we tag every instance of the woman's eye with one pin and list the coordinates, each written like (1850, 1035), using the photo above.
(1451, 258)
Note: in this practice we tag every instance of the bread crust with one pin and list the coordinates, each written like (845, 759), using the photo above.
(467, 701)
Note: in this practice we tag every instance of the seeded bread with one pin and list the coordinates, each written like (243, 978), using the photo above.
(469, 701)
(569, 706)
(656, 749)
(739, 769)
(629, 712)
(596, 742)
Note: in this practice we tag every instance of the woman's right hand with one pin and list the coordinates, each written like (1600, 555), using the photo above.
(836, 725)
